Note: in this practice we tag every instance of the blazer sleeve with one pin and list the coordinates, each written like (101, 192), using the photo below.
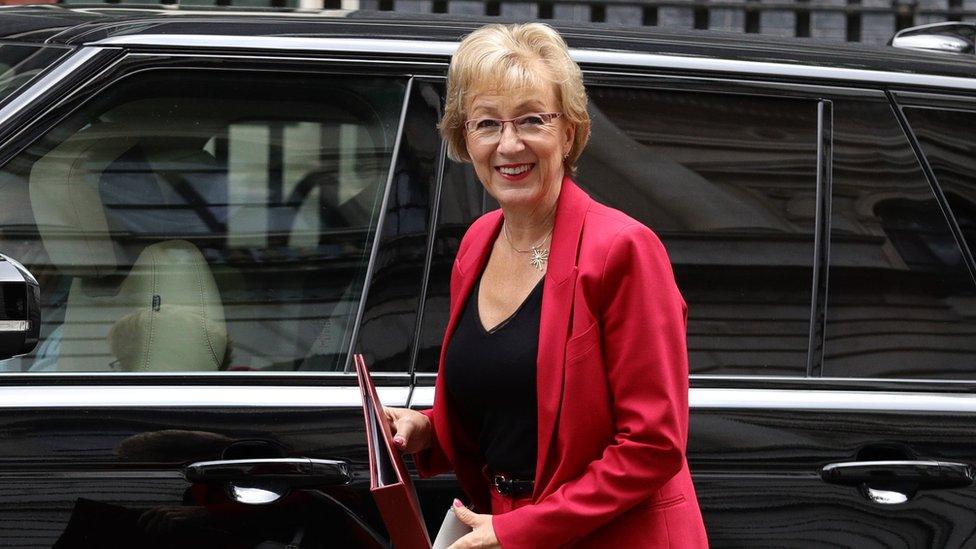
(431, 461)
(643, 318)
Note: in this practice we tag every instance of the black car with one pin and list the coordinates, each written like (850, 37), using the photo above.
(219, 207)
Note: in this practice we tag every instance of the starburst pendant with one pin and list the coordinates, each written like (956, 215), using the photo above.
(539, 257)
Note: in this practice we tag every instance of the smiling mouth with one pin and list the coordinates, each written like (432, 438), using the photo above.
(515, 170)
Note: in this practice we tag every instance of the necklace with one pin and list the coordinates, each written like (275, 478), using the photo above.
(540, 255)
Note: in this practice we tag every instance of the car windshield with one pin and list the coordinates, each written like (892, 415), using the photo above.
(19, 64)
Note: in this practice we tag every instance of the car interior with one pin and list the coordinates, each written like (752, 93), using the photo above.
(188, 233)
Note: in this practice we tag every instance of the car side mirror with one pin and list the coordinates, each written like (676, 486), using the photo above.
(20, 309)
(951, 37)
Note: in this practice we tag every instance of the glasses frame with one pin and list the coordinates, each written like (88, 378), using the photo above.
(470, 125)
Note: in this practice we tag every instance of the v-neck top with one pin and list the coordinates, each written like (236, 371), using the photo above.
(490, 375)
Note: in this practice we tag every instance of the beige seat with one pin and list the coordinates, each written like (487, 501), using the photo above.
(160, 311)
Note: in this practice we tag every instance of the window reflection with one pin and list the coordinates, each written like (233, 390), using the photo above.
(462, 201)
(389, 320)
(729, 183)
(900, 301)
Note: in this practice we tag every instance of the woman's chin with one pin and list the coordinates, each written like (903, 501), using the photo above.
(526, 192)
(516, 195)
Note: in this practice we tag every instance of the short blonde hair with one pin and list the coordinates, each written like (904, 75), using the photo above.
(509, 57)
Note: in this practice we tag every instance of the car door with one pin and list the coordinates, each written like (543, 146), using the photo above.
(818, 407)
(898, 321)
(819, 411)
(726, 173)
(213, 234)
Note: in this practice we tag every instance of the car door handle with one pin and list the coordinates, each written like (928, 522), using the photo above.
(920, 473)
(292, 472)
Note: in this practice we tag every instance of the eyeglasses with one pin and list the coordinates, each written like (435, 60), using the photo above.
(489, 130)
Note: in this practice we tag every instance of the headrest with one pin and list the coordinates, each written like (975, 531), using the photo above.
(64, 196)
(165, 315)
(179, 325)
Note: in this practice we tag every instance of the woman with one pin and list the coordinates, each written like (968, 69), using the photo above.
(561, 402)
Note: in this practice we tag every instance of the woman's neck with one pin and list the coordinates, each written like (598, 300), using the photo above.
(528, 228)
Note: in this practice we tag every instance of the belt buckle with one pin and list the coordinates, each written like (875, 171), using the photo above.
(511, 487)
(502, 484)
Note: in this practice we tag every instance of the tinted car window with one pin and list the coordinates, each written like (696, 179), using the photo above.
(899, 300)
(389, 325)
(20, 63)
(193, 221)
(462, 201)
(947, 139)
(729, 183)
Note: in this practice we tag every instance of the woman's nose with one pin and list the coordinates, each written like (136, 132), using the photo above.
(509, 140)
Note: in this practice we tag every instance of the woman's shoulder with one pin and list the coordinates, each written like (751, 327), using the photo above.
(605, 227)
(616, 248)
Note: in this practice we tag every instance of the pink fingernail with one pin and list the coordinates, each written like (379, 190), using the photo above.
(399, 441)
(457, 503)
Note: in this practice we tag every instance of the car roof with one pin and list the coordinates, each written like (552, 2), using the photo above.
(78, 25)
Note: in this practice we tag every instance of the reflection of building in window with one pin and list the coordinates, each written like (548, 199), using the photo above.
(900, 302)
(919, 234)
(729, 183)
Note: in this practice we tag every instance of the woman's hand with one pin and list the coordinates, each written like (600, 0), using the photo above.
(482, 535)
(411, 429)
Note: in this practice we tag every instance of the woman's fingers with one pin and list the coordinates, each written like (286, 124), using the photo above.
(411, 429)
(400, 425)
(465, 515)
(391, 415)
(403, 432)
(482, 535)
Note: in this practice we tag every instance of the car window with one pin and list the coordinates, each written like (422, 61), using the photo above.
(728, 182)
(389, 323)
(900, 296)
(203, 221)
(20, 63)
(462, 201)
(946, 138)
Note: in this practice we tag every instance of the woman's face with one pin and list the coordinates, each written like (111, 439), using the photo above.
(520, 169)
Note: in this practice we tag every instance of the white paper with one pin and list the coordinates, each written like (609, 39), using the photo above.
(451, 530)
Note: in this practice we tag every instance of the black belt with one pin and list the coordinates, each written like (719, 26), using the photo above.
(511, 487)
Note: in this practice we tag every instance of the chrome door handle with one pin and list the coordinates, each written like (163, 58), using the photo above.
(291, 472)
(921, 474)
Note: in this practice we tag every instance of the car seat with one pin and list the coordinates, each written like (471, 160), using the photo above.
(159, 312)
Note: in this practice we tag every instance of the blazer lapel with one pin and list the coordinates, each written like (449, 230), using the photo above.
(554, 325)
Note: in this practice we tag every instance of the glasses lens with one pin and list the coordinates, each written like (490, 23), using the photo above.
(488, 134)
(488, 124)
(530, 122)
(489, 130)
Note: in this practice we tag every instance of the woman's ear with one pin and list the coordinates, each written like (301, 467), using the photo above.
(570, 135)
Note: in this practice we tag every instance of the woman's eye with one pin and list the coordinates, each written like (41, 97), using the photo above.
(487, 124)
(532, 120)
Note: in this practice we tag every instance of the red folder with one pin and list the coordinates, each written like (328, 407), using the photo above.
(389, 481)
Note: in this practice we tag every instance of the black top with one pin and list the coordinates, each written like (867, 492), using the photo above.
(490, 376)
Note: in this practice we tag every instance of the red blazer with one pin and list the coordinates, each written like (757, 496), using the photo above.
(612, 375)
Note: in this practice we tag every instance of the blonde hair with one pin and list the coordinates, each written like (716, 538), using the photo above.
(512, 57)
